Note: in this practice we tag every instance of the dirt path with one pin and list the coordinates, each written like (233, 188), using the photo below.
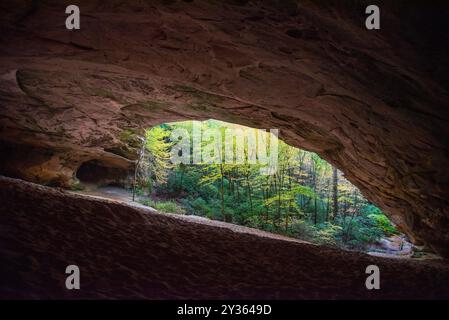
(129, 252)
(387, 248)
(121, 195)
(108, 192)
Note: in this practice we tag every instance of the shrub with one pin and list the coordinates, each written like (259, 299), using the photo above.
(164, 206)
(302, 230)
(382, 222)
(327, 233)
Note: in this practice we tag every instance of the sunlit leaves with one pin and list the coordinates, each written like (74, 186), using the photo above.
(296, 200)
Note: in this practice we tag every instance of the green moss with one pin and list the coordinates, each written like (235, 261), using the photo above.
(76, 186)
(100, 92)
(129, 137)
(199, 106)
(200, 96)
(126, 135)
(123, 151)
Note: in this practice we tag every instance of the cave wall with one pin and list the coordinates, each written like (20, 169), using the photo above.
(373, 103)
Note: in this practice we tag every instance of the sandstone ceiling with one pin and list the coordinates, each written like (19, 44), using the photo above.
(373, 103)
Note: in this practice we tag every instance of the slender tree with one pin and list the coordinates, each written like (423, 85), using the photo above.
(335, 192)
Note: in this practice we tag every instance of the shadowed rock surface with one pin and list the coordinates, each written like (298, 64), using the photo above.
(373, 103)
(128, 252)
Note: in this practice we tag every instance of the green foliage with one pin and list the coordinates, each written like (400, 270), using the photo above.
(303, 230)
(327, 234)
(357, 231)
(382, 222)
(297, 200)
(304, 191)
(77, 186)
(164, 206)
(158, 153)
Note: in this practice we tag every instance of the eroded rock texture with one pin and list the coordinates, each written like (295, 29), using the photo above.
(373, 103)
(125, 252)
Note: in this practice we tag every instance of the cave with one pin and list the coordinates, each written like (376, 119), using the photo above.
(98, 173)
(373, 103)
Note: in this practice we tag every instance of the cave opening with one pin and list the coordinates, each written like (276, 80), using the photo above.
(302, 196)
(99, 173)
(371, 102)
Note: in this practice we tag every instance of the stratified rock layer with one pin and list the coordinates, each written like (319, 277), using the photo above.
(373, 103)
(125, 252)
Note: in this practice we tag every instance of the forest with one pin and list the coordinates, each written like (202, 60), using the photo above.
(305, 197)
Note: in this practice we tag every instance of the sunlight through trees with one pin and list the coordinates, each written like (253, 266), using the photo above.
(305, 197)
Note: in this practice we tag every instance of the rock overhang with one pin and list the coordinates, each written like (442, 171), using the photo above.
(372, 103)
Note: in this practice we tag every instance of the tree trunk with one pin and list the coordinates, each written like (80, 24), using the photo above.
(278, 191)
(237, 187)
(135, 179)
(315, 209)
(222, 193)
(249, 191)
(335, 192)
(136, 168)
